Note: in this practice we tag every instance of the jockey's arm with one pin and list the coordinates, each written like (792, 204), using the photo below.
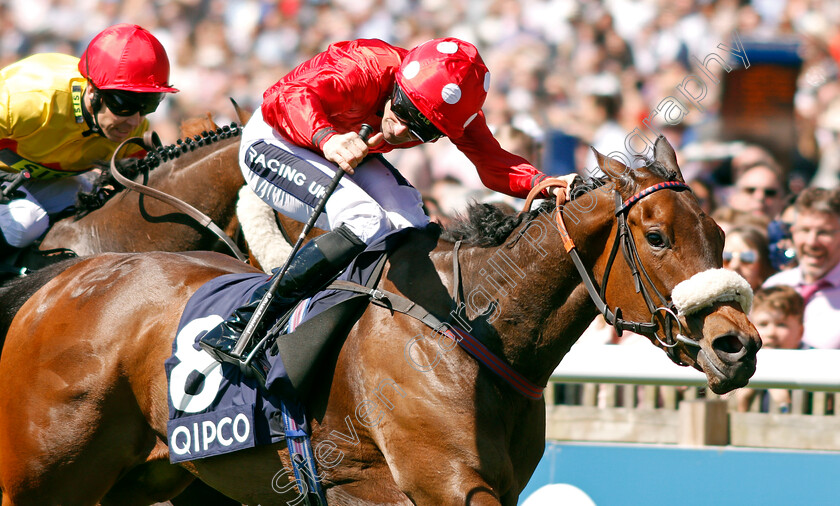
(498, 169)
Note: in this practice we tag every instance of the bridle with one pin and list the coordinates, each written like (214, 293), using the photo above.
(624, 239)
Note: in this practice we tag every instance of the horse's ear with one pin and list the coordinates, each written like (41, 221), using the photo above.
(664, 154)
(195, 126)
(241, 113)
(612, 167)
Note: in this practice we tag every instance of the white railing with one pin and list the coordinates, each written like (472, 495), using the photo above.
(645, 364)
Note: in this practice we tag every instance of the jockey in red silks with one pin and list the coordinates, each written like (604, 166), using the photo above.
(307, 129)
(59, 114)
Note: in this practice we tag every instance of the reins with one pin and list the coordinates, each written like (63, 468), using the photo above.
(151, 143)
(624, 239)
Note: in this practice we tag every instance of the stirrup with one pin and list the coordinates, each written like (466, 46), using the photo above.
(253, 365)
(256, 366)
(254, 362)
(219, 347)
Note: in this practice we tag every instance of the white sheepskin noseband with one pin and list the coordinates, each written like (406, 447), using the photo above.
(707, 287)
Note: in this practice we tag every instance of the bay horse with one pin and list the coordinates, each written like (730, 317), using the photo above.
(404, 416)
(205, 174)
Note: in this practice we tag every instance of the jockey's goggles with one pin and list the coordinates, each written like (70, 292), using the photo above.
(128, 103)
(417, 124)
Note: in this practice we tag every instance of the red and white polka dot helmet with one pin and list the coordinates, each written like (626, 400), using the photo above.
(447, 81)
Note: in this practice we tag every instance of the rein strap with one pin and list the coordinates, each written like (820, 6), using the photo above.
(149, 142)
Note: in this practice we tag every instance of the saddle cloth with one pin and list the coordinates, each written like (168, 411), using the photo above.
(214, 408)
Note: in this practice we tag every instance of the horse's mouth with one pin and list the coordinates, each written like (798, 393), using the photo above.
(729, 364)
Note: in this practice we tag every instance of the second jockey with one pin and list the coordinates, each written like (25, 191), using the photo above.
(60, 114)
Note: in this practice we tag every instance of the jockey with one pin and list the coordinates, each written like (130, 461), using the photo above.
(60, 114)
(307, 128)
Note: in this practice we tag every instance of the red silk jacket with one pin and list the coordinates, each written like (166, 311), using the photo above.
(349, 84)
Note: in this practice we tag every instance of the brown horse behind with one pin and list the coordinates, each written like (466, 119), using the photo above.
(206, 177)
(405, 416)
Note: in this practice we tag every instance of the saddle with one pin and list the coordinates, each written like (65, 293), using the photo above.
(296, 351)
(301, 352)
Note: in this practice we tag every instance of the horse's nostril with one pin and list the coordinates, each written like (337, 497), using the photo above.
(728, 344)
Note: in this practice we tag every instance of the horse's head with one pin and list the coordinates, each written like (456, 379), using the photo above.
(667, 274)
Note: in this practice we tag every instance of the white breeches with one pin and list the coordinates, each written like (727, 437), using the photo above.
(23, 221)
(371, 203)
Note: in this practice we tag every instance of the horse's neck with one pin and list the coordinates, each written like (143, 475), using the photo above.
(209, 181)
(543, 306)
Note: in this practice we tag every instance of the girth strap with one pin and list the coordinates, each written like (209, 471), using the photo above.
(390, 301)
(394, 302)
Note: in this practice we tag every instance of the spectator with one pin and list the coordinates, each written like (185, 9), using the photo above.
(705, 196)
(782, 252)
(816, 239)
(759, 189)
(749, 156)
(597, 121)
(435, 212)
(828, 138)
(777, 314)
(728, 218)
(745, 252)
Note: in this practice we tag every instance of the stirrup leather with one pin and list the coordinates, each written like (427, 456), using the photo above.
(313, 267)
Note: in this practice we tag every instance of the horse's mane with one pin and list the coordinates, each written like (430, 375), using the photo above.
(486, 225)
(196, 133)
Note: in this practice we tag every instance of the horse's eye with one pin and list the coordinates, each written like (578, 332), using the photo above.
(655, 239)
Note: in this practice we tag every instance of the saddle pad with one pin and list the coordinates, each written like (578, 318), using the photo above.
(360, 271)
(214, 408)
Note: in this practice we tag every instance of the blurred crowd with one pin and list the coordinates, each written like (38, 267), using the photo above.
(566, 74)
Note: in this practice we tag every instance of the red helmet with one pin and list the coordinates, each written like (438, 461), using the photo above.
(126, 57)
(447, 81)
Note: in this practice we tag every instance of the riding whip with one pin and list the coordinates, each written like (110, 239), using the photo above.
(262, 307)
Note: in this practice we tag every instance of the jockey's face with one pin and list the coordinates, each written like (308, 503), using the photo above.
(395, 130)
(118, 128)
(115, 128)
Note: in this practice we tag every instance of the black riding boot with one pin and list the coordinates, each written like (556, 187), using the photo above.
(315, 265)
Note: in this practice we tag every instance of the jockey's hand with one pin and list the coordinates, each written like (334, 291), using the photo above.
(571, 180)
(14, 195)
(348, 150)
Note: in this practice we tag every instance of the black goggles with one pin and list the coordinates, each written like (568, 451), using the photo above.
(127, 103)
(417, 124)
